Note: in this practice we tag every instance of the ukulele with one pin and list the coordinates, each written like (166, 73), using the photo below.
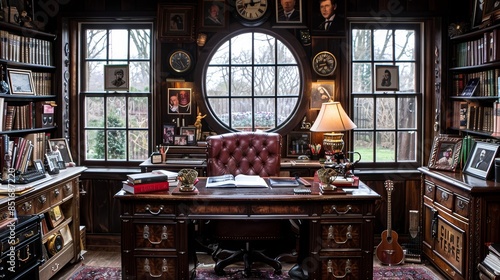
(389, 252)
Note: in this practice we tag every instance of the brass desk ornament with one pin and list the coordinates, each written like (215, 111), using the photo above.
(187, 178)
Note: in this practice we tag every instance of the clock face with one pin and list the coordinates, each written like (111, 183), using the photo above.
(180, 61)
(251, 10)
(324, 63)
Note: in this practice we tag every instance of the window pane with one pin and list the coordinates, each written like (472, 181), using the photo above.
(95, 76)
(407, 112)
(118, 44)
(386, 109)
(221, 56)
(94, 112)
(140, 46)
(264, 81)
(285, 108)
(241, 49)
(265, 114)
(363, 113)
(264, 49)
(139, 80)
(217, 81)
(382, 47)
(137, 144)
(96, 44)
(363, 144)
(385, 146)
(94, 147)
(289, 81)
(285, 56)
(242, 114)
(241, 81)
(116, 144)
(407, 77)
(138, 112)
(361, 77)
(220, 107)
(361, 44)
(407, 146)
(116, 112)
(405, 44)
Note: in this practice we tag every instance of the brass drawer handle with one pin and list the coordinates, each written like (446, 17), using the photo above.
(14, 243)
(347, 269)
(164, 268)
(164, 235)
(54, 269)
(29, 234)
(26, 206)
(348, 207)
(56, 192)
(444, 196)
(28, 255)
(348, 235)
(148, 208)
(42, 199)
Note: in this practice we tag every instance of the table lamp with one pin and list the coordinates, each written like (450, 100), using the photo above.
(332, 119)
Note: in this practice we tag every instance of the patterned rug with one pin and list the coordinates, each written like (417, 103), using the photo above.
(97, 273)
(405, 272)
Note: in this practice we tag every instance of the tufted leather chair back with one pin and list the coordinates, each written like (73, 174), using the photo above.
(249, 153)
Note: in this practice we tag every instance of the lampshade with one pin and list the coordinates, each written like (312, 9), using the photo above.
(332, 117)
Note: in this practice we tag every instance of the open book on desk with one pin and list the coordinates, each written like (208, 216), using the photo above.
(238, 181)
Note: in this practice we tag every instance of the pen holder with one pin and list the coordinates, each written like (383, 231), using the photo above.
(187, 177)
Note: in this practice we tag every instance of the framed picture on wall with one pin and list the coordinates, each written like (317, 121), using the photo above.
(386, 78)
(214, 15)
(481, 159)
(289, 13)
(445, 154)
(21, 81)
(179, 101)
(116, 77)
(477, 16)
(297, 143)
(176, 23)
(491, 10)
(328, 21)
(321, 92)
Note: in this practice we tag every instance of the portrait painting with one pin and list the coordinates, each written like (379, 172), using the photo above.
(214, 15)
(386, 78)
(289, 13)
(481, 159)
(116, 77)
(321, 92)
(328, 17)
(176, 23)
(445, 154)
(179, 101)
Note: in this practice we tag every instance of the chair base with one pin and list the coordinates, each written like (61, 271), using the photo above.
(248, 257)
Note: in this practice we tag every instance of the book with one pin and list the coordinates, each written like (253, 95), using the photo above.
(238, 181)
(495, 249)
(172, 176)
(471, 87)
(283, 182)
(493, 263)
(146, 177)
(145, 187)
(483, 268)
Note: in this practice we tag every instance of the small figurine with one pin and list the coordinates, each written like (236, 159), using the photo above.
(305, 125)
(198, 125)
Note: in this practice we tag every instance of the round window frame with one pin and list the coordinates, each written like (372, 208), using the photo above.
(286, 38)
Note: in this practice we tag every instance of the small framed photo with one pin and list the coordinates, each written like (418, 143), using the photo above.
(179, 101)
(56, 216)
(168, 133)
(481, 159)
(386, 77)
(176, 23)
(59, 146)
(116, 77)
(445, 154)
(21, 81)
(190, 132)
(180, 140)
(214, 14)
(321, 92)
(298, 144)
(53, 162)
(329, 22)
(289, 13)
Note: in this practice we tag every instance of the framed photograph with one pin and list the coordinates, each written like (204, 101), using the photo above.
(471, 87)
(179, 101)
(52, 162)
(491, 9)
(214, 14)
(21, 81)
(168, 133)
(477, 16)
(180, 140)
(297, 143)
(321, 92)
(289, 13)
(190, 132)
(59, 146)
(481, 159)
(330, 22)
(56, 216)
(386, 77)
(445, 154)
(116, 77)
(176, 23)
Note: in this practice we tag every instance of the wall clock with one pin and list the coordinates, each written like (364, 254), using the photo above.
(180, 61)
(324, 63)
(252, 12)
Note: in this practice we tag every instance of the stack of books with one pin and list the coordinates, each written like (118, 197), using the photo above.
(489, 268)
(158, 180)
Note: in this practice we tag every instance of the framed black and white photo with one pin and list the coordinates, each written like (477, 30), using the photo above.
(445, 153)
(190, 132)
(179, 101)
(386, 78)
(297, 143)
(214, 15)
(176, 23)
(116, 77)
(21, 81)
(289, 14)
(53, 162)
(481, 159)
(321, 92)
(168, 133)
(60, 146)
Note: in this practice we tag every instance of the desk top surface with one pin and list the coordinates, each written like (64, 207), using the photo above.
(363, 192)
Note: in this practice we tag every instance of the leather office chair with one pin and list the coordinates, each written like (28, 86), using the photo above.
(249, 153)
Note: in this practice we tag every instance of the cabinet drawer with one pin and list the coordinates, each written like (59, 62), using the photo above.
(462, 206)
(155, 236)
(25, 208)
(21, 236)
(444, 198)
(342, 208)
(56, 263)
(25, 256)
(153, 209)
(42, 202)
(67, 189)
(429, 189)
(156, 268)
(341, 236)
(56, 195)
(341, 268)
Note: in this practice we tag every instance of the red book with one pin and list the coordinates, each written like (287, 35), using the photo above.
(145, 187)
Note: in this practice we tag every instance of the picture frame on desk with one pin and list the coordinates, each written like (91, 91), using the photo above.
(481, 159)
(190, 132)
(168, 133)
(297, 143)
(60, 146)
(445, 153)
(21, 81)
(180, 140)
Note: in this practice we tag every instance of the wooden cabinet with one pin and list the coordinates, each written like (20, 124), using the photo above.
(460, 215)
(57, 199)
(158, 228)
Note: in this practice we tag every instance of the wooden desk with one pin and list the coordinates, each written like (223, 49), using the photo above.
(156, 228)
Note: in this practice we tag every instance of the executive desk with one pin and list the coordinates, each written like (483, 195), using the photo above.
(157, 227)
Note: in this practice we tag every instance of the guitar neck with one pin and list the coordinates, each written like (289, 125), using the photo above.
(389, 216)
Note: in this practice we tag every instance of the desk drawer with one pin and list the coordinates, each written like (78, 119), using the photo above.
(42, 202)
(343, 209)
(444, 197)
(153, 209)
(25, 208)
(21, 236)
(163, 268)
(341, 236)
(155, 236)
(341, 268)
